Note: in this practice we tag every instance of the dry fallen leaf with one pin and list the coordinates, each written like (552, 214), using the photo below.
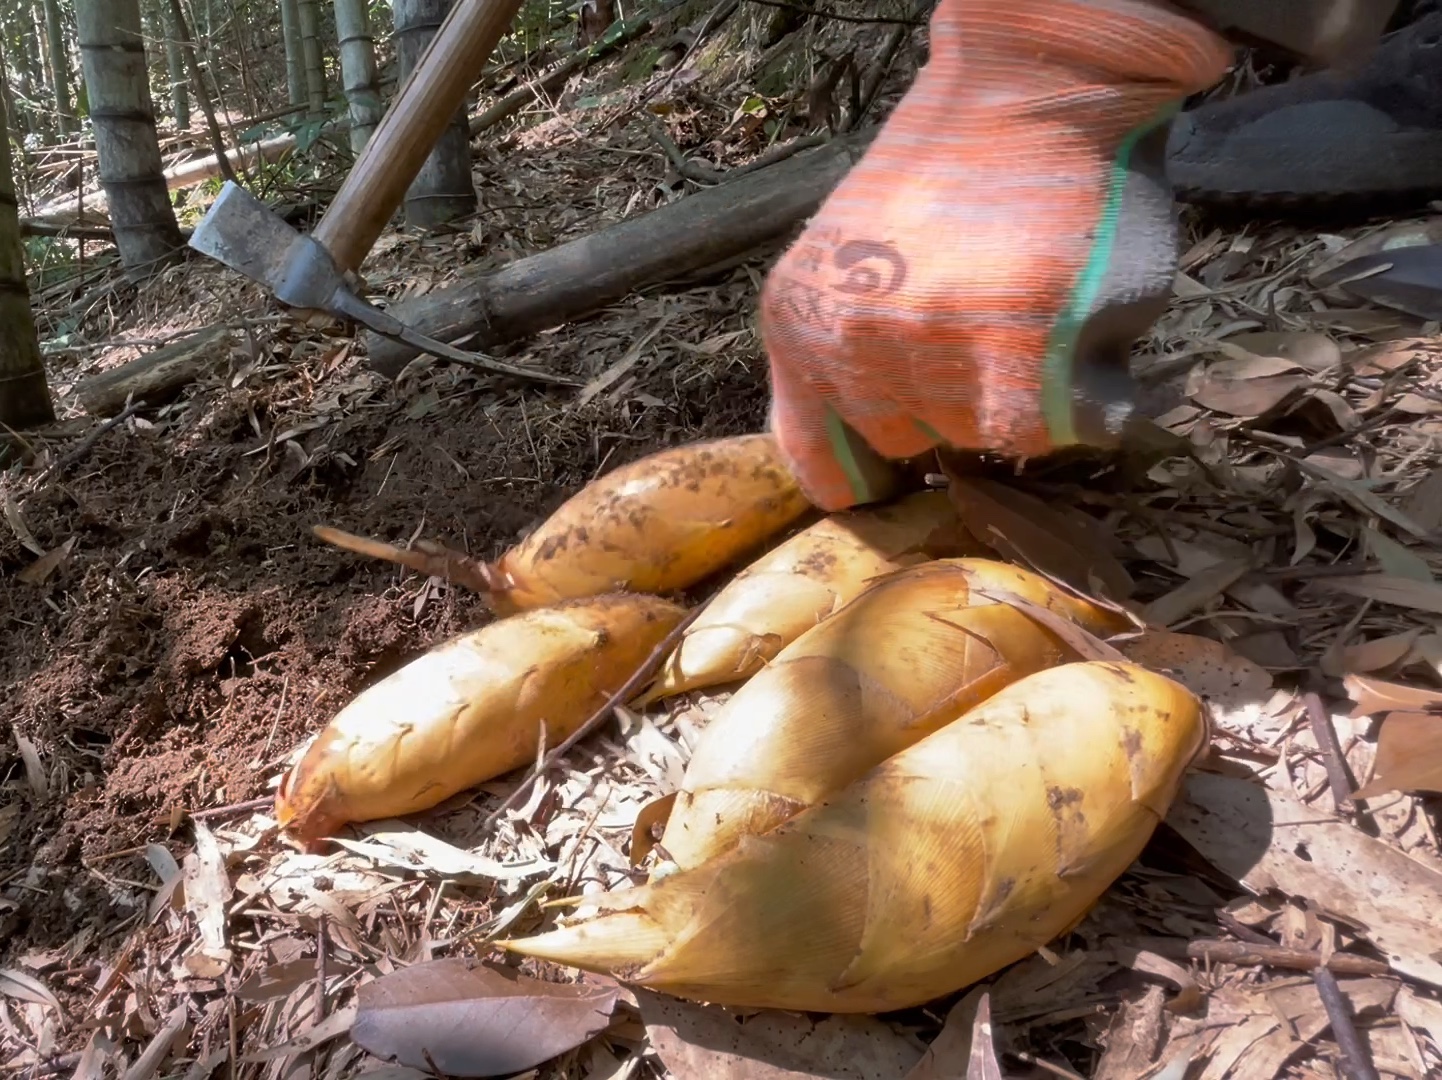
(1266, 839)
(1409, 755)
(1270, 1024)
(277, 980)
(1388, 589)
(1408, 278)
(18, 526)
(652, 815)
(473, 1019)
(702, 1042)
(1196, 592)
(1372, 696)
(392, 842)
(950, 1052)
(1308, 349)
(23, 986)
(1247, 385)
(1023, 529)
(1401, 235)
(1215, 673)
(333, 1026)
(1379, 654)
(1086, 644)
(1362, 497)
(1424, 501)
(207, 896)
(1422, 1013)
(41, 569)
(1133, 1038)
(1385, 357)
(1395, 559)
(34, 767)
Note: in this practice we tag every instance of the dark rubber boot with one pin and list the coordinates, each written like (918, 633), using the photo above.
(1332, 139)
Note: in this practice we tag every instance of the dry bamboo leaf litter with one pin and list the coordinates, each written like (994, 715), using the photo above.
(1239, 490)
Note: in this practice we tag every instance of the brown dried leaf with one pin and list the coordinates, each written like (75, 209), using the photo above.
(1323, 405)
(1245, 385)
(474, 1019)
(1267, 839)
(16, 520)
(438, 561)
(1409, 755)
(1303, 348)
(950, 1052)
(700, 1042)
(98, 1053)
(1087, 644)
(1424, 501)
(1269, 648)
(1385, 357)
(1133, 1038)
(1372, 696)
(1388, 589)
(276, 981)
(1395, 559)
(1377, 654)
(1299, 1007)
(1362, 498)
(1424, 1014)
(41, 569)
(1196, 592)
(1022, 528)
(1207, 668)
(652, 815)
(1189, 993)
(23, 986)
(153, 1057)
(1417, 405)
(34, 767)
(333, 1026)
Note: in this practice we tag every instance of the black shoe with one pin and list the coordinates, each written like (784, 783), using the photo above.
(1365, 138)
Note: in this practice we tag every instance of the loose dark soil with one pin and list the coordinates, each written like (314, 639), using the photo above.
(198, 631)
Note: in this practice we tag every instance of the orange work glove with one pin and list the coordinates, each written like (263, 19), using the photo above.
(979, 277)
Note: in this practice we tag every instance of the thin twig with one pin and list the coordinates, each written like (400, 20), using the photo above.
(1332, 759)
(689, 170)
(1242, 930)
(220, 811)
(779, 152)
(53, 1066)
(319, 1013)
(620, 697)
(84, 446)
(1256, 954)
(1356, 1063)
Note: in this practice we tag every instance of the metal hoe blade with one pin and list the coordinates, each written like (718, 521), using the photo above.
(241, 232)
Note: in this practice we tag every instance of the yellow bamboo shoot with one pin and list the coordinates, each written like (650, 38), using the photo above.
(802, 581)
(470, 709)
(961, 854)
(659, 524)
(891, 667)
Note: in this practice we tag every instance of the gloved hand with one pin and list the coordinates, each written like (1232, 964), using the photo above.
(979, 277)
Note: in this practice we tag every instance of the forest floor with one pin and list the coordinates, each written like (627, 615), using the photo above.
(173, 632)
